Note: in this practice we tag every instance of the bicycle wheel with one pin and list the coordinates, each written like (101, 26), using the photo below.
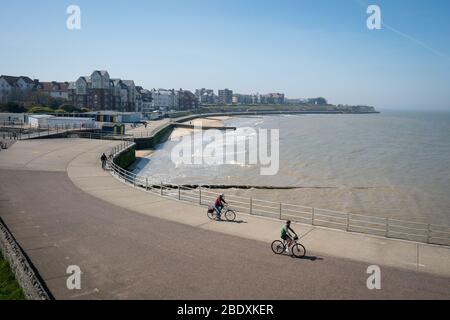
(211, 215)
(298, 250)
(278, 247)
(230, 215)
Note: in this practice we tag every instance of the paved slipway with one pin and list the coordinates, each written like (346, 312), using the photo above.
(64, 210)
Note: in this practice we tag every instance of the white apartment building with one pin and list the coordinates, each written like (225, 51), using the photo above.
(164, 99)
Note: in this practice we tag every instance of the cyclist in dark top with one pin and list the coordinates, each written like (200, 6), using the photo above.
(103, 158)
(285, 235)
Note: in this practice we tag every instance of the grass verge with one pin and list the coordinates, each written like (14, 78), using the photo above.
(9, 288)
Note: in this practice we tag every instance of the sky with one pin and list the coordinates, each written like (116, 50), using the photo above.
(304, 48)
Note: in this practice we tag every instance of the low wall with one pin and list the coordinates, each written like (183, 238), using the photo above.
(27, 277)
(261, 113)
(159, 137)
(126, 157)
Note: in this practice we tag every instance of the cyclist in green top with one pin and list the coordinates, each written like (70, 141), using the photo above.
(285, 234)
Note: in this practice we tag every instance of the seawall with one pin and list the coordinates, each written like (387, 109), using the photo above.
(161, 135)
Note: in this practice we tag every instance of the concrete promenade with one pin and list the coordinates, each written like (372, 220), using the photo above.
(64, 210)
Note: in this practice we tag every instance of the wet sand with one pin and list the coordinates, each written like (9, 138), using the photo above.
(217, 122)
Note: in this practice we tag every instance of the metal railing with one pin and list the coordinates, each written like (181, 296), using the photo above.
(102, 135)
(23, 132)
(346, 221)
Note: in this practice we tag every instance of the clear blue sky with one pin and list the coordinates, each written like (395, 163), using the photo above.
(305, 48)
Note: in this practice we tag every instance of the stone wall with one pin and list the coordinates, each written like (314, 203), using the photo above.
(32, 286)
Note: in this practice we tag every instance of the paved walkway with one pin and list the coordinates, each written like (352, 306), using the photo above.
(65, 210)
(371, 249)
(142, 131)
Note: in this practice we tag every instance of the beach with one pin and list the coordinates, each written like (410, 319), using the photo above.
(217, 122)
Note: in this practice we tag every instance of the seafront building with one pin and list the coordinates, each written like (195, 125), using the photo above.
(95, 92)
(99, 92)
(245, 99)
(273, 98)
(57, 90)
(225, 96)
(171, 99)
(206, 96)
(14, 88)
(164, 99)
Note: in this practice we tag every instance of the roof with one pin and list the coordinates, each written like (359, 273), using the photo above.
(70, 118)
(86, 79)
(26, 79)
(116, 82)
(10, 79)
(103, 73)
(54, 86)
(108, 112)
(40, 116)
(129, 83)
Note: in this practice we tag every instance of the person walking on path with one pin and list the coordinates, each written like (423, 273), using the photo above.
(103, 158)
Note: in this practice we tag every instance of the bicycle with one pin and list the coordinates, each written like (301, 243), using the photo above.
(297, 249)
(229, 214)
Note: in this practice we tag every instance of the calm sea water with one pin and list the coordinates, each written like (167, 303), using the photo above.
(394, 164)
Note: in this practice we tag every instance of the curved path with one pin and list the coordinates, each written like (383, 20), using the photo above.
(156, 248)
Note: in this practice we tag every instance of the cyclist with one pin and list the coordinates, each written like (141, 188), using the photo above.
(285, 235)
(219, 203)
(103, 158)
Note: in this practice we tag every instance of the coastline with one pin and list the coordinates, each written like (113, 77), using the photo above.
(400, 201)
(143, 156)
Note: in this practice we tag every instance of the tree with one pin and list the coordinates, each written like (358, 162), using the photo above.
(69, 108)
(40, 109)
(12, 107)
(56, 103)
(43, 99)
(318, 101)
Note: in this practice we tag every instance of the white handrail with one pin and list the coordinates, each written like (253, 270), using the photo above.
(317, 216)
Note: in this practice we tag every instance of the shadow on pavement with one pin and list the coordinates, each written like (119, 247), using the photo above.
(310, 258)
(235, 221)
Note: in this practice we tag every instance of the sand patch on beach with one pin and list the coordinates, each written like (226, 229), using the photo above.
(143, 153)
(217, 122)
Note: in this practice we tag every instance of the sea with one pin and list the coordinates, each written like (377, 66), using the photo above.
(393, 164)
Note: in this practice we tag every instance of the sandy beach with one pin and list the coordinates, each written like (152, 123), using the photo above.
(217, 122)
(143, 156)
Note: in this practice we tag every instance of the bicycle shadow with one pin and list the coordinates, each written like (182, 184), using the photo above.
(310, 258)
(235, 221)
(307, 257)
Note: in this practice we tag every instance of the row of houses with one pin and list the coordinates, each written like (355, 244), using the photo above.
(227, 97)
(14, 88)
(97, 92)
(100, 92)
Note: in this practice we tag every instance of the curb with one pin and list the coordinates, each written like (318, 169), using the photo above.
(26, 275)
